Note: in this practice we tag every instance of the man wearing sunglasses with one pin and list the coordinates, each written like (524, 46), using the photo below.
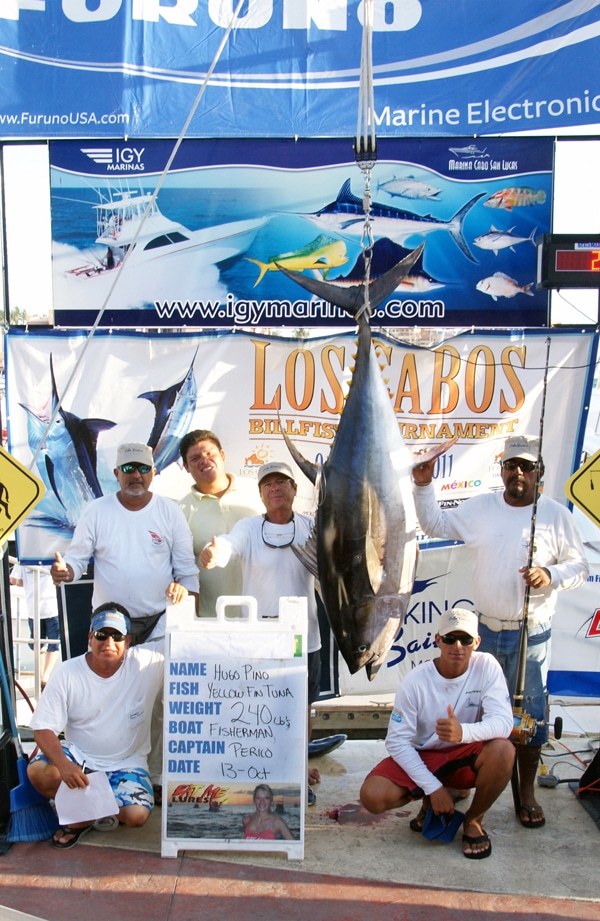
(448, 730)
(143, 555)
(496, 527)
(141, 545)
(103, 702)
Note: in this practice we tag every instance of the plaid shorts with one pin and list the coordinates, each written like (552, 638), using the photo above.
(131, 786)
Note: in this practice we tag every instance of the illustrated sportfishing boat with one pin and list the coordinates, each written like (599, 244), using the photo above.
(130, 224)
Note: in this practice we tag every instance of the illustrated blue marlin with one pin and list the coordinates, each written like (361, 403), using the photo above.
(69, 455)
(174, 409)
(363, 547)
(346, 216)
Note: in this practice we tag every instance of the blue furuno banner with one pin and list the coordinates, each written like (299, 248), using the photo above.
(115, 68)
(207, 250)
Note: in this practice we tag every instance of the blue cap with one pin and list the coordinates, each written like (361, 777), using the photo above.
(112, 618)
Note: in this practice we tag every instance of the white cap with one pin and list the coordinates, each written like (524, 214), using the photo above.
(275, 467)
(524, 446)
(134, 453)
(460, 620)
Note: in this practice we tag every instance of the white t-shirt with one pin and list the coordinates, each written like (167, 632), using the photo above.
(136, 554)
(480, 701)
(272, 572)
(106, 721)
(499, 534)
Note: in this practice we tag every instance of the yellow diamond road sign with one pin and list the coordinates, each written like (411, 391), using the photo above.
(20, 492)
(583, 488)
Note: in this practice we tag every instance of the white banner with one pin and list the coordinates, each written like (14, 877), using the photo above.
(154, 388)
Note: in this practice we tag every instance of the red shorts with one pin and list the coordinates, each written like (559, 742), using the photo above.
(452, 766)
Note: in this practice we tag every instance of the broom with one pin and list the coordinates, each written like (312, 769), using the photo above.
(32, 818)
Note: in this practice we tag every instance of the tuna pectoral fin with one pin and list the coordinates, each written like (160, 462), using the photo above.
(425, 456)
(307, 554)
(375, 540)
(374, 567)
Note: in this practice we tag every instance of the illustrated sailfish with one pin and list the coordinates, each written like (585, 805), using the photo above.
(363, 545)
(174, 409)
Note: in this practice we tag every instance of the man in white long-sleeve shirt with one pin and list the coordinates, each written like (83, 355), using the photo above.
(497, 527)
(449, 730)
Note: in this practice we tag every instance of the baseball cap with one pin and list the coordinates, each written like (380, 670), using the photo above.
(460, 620)
(523, 446)
(275, 467)
(110, 617)
(134, 453)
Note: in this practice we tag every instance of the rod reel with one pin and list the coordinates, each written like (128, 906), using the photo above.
(524, 727)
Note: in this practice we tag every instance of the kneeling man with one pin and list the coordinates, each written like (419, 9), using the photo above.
(449, 730)
(102, 701)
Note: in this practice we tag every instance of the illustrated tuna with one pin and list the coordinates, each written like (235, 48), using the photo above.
(363, 546)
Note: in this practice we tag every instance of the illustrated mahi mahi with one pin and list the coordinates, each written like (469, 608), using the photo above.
(363, 546)
(323, 253)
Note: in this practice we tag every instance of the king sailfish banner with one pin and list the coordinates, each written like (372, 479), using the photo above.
(208, 250)
(115, 68)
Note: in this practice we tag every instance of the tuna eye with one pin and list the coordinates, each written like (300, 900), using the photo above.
(362, 648)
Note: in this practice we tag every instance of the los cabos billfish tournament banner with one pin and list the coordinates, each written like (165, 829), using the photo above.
(481, 386)
(208, 250)
(114, 68)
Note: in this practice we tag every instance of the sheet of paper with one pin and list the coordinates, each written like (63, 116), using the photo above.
(88, 803)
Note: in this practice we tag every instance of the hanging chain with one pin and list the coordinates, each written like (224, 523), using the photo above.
(365, 145)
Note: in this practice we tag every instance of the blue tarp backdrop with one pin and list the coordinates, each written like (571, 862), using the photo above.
(115, 68)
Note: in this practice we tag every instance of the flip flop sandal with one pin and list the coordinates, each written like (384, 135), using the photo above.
(531, 811)
(67, 830)
(477, 839)
(417, 823)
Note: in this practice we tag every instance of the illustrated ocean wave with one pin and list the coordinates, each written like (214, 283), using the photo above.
(488, 53)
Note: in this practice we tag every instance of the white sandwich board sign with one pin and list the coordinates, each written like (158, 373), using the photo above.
(235, 730)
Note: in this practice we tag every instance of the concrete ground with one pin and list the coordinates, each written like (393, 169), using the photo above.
(349, 869)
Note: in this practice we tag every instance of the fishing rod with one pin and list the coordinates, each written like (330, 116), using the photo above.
(524, 725)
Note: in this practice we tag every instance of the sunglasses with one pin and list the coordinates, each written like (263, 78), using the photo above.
(102, 636)
(526, 466)
(451, 639)
(278, 546)
(131, 468)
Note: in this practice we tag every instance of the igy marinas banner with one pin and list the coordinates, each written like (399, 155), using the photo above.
(133, 68)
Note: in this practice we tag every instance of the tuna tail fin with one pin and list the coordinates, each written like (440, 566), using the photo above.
(455, 226)
(352, 298)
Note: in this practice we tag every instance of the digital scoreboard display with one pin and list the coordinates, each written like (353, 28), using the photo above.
(569, 261)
